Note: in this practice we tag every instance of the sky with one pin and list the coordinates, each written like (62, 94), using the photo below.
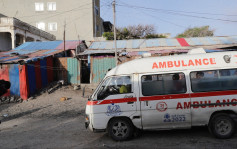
(174, 16)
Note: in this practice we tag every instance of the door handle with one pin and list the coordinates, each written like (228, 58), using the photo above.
(146, 103)
(130, 102)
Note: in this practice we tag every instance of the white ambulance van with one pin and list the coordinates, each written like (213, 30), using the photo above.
(170, 92)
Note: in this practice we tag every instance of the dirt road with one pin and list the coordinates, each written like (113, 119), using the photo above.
(47, 122)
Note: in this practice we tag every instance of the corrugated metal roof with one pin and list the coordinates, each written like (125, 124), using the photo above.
(136, 53)
(163, 42)
(48, 45)
(68, 45)
(36, 50)
(88, 52)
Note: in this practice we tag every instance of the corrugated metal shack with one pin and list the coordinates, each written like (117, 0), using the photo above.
(100, 52)
(33, 65)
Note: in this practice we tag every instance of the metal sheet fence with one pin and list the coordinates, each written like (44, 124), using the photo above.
(27, 79)
(4, 75)
(61, 71)
(14, 79)
(73, 67)
(68, 70)
(32, 79)
(100, 66)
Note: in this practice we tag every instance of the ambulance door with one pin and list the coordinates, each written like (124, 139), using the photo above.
(116, 97)
(164, 100)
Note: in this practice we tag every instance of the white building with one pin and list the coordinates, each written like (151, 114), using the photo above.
(14, 32)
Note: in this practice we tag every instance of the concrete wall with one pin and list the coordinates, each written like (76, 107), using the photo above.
(78, 15)
(5, 42)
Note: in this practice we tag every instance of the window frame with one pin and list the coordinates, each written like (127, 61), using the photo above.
(52, 6)
(112, 77)
(53, 23)
(170, 73)
(39, 4)
(38, 23)
(219, 77)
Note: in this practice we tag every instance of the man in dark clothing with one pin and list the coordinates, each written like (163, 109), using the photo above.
(4, 86)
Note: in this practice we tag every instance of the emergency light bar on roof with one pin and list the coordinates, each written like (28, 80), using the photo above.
(196, 51)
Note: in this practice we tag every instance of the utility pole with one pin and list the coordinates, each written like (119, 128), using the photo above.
(94, 19)
(64, 34)
(115, 43)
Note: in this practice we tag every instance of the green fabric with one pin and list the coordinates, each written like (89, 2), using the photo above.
(123, 89)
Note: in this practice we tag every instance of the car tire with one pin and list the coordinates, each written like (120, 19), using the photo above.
(120, 129)
(222, 126)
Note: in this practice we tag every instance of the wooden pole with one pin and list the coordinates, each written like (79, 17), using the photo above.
(115, 43)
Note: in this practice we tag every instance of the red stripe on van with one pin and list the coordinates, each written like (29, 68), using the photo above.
(192, 95)
(216, 93)
(111, 101)
(164, 97)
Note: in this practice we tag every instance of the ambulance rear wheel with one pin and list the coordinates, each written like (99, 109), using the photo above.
(222, 126)
(120, 129)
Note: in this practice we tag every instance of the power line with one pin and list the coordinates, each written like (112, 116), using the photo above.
(106, 12)
(163, 20)
(62, 13)
(57, 13)
(73, 20)
(179, 14)
(180, 11)
(109, 4)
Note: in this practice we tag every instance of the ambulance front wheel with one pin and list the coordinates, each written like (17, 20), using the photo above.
(222, 126)
(120, 129)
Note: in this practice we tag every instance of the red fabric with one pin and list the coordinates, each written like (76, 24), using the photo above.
(4, 75)
(182, 42)
(24, 83)
(38, 75)
(121, 100)
(50, 69)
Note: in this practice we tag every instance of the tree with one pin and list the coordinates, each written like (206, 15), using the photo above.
(108, 35)
(134, 32)
(202, 31)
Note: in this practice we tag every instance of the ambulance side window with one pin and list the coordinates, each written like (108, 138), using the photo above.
(214, 80)
(115, 85)
(162, 84)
